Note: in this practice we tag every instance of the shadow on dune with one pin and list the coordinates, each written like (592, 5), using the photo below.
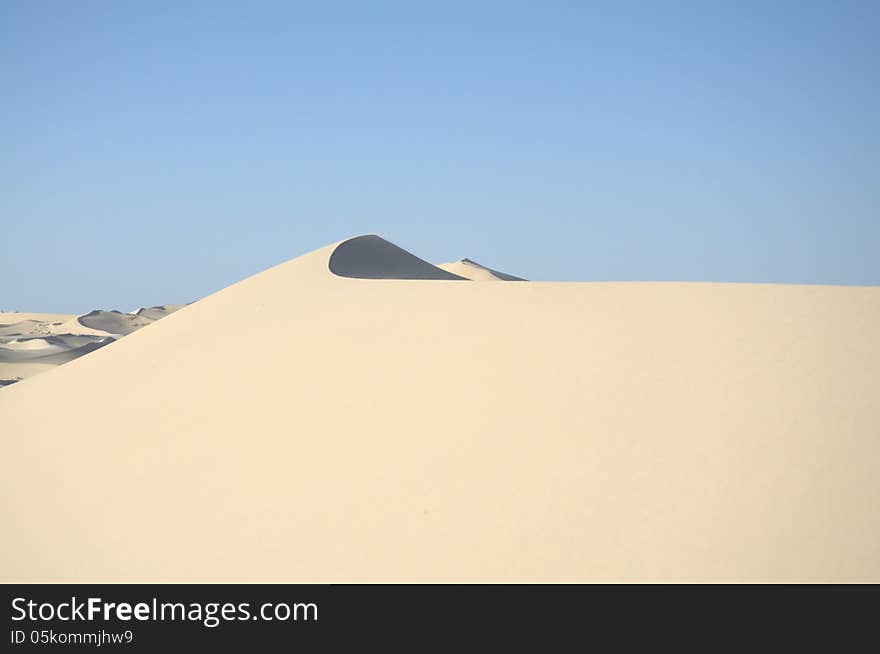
(372, 257)
(113, 322)
(64, 357)
(54, 357)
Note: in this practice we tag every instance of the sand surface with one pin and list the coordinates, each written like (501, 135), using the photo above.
(476, 272)
(314, 423)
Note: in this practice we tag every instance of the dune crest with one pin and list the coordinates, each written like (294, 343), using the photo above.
(157, 312)
(309, 425)
(113, 322)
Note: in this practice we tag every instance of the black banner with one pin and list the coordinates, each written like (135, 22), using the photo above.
(153, 617)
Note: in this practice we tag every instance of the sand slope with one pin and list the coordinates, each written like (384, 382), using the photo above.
(307, 426)
(476, 272)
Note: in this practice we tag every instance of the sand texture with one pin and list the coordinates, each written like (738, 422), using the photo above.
(476, 272)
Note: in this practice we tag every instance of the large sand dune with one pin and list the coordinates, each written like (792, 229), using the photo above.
(315, 423)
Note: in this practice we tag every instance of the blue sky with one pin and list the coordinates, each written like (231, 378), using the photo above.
(155, 152)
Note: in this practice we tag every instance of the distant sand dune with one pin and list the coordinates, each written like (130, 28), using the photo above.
(476, 272)
(113, 322)
(32, 343)
(11, 317)
(41, 347)
(28, 327)
(314, 423)
(156, 313)
(54, 355)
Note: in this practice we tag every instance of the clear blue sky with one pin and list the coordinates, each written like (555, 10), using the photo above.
(154, 152)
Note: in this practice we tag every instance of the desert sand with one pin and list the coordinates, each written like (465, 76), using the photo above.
(476, 272)
(36, 342)
(357, 414)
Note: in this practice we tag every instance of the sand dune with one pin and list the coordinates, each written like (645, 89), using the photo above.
(12, 317)
(31, 343)
(476, 272)
(315, 423)
(12, 327)
(39, 347)
(113, 322)
(156, 313)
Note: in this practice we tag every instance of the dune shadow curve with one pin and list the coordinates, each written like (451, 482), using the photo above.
(372, 257)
